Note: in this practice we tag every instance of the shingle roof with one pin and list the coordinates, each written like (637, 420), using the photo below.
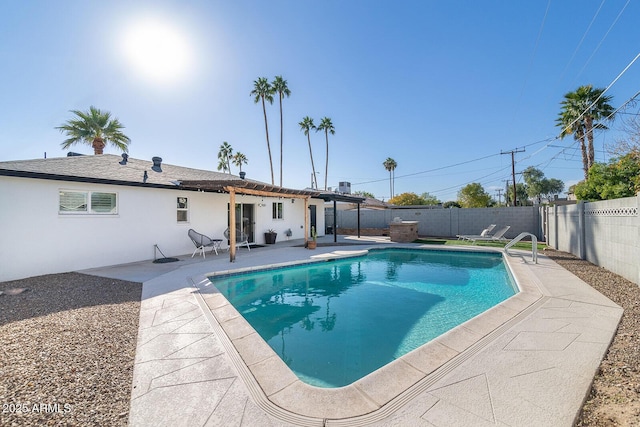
(107, 167)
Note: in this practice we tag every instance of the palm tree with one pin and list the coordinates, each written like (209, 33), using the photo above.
(582, 111)
(306, 125)
(572, 125)
(390, 165)
(95, 128)
(239, 159)
(222, 165)
(224, 157)
(327, 127)
(262, 91)
(279, 86)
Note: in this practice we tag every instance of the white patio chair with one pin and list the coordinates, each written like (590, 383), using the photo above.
(486, 232)
(498, 236)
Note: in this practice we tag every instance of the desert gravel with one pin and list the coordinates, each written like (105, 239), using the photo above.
(68, 348)
(615, 394)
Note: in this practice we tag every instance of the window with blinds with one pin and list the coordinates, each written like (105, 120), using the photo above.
(87, 202)
(183, 209)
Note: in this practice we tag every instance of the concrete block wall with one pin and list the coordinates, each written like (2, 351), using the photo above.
(447, 222)
(567, 231)
(605, 233)
(520, 219)
(611, 232)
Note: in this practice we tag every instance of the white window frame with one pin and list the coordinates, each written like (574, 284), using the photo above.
(276, 213)
(182, 205)
(89, 209)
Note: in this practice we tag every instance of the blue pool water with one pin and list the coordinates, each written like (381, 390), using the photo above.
(334, 322)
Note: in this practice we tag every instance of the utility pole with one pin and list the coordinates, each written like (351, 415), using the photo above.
(513, 170)
(499, 191)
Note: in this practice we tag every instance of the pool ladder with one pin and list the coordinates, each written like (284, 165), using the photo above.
(534, 245)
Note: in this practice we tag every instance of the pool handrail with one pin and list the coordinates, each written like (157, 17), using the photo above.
(534, 245)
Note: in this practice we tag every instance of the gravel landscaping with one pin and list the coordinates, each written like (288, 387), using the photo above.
(615, 395)
(68, 347)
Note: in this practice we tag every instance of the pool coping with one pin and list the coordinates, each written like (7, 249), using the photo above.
(279, 392)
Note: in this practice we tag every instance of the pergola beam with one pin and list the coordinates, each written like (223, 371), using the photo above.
(264, 193)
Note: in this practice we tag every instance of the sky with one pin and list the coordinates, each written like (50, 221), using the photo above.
(443, 88)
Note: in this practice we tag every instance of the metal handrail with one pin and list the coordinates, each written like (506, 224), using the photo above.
(534, 245)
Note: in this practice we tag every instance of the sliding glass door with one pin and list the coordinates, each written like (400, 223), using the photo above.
(245, 219)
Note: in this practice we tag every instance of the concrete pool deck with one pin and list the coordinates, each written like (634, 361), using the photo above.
(528, 361)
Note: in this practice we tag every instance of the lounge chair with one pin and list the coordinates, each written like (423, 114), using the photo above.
(498, 236)
(486, 232)
(201, 242)
(241, 238)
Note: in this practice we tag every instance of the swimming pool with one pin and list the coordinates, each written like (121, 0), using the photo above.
(334, 322)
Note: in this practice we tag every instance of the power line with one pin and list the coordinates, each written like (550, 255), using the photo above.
(468, 182)
(628, 101)
(581, 40)
(430, 170)
(533, 55)
(603, 38)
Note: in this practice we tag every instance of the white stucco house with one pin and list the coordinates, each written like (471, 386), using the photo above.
(77, 212)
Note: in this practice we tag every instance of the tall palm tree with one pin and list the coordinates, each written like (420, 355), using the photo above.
(582, 111)
(390, 165)
(327, 127)
(280, 87)
(239, 159)
(570, 123)
(95, 128)
(262, 91)
(306, 125)
(224, 157)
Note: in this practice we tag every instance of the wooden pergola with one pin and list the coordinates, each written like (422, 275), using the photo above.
(241, 186)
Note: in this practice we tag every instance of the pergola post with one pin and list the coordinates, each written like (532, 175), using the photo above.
(335, 219)
(306, 221)
(358, 220)
(232, 225)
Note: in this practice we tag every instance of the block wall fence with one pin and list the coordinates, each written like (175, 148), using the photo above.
(445, 222)
(605, 233)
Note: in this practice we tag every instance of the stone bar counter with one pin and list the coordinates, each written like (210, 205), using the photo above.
(403, 231)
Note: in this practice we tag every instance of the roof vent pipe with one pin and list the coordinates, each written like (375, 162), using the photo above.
(157, 163)
(125, 157)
